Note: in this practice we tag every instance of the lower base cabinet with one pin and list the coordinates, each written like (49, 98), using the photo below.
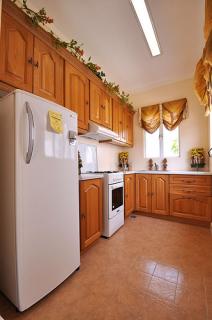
(90, 212)
(152, 193)
(183, 196)
(129, 194)
(192, 207)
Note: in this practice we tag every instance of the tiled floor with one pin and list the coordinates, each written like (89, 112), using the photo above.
(150, 269)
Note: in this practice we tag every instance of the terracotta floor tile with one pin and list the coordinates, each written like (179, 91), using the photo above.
(162, 289)
(150, 270)
(192, 302)
(145, 265)
(166, 272)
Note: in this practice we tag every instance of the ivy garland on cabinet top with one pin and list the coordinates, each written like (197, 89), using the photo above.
(41, 17)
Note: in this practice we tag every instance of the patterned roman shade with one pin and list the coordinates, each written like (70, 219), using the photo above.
(203, 72)
(174, 112)
(169, 113)
(149, 118)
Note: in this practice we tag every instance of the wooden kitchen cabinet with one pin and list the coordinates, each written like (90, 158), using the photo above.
(90, 211)
(129, 127)
(48, 72)
(107, 111)
(123, 123)
(100, 106)
(152, 193)
(77, 94)
(129, 194)
(143, 192)
(191, 207)
(160, 194)
(30, 61)
(190, 197)
(118, 119)
(16, 54)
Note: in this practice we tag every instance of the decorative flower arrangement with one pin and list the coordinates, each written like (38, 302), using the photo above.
(75, 48)
(123, 160)
(197, 158)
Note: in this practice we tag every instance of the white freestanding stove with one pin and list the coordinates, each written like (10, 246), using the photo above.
(113, 213)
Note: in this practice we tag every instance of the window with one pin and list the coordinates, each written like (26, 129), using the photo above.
(162, 143)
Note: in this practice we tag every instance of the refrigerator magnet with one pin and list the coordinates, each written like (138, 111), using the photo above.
(56, 121)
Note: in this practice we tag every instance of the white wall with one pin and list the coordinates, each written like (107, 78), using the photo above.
(107, 154)
(194, 131)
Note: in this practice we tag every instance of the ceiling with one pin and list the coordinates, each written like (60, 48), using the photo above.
(111, 34)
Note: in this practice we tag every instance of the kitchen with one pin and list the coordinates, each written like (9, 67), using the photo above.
(131, 244)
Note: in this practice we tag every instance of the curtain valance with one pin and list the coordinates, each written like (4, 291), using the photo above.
(203, 72)
(174, 112)
(149, 118)
(169, 113)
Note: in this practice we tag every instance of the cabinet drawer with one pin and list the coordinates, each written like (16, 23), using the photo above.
(191, 179)
(191, 189)
(191, 207)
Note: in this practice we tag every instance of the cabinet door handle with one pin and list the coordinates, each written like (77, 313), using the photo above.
(36, 65)
(30, 61)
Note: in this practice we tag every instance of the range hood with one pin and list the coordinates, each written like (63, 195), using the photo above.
(99, 133)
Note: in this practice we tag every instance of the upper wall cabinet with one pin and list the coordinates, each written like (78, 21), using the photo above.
(29, 61)
(48, 72)
(16, 54)
(118, 119)
(123, 123)
(107, 110)
(77, 94)
(100, 106)
(129, 127)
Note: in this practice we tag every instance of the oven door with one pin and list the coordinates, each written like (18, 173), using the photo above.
(116, 199)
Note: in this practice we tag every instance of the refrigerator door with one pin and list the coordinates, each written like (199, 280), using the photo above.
(47, 198)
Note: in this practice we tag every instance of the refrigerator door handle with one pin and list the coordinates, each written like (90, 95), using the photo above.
(31, 133)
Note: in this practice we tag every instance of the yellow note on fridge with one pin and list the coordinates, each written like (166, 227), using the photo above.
(56, 121)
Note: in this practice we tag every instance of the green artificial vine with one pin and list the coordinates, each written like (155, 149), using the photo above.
(76, 50)
(36, 18)
(95, 69)
(72, 46)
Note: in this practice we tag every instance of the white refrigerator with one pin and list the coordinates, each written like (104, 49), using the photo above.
(39, 201)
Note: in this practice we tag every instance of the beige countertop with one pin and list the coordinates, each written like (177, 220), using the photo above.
(90, 176)
(189, 172)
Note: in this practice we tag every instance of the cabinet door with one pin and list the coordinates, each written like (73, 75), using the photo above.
(90, 211)
(48, 73)
(95, 103)
(16, 54)
(129, 127)
(143, 192)
(118, 119)
(191, 207)
(160, 194)
(129, 194)
(115, 116)
(121, 122)
(106, 111)
(77, 94)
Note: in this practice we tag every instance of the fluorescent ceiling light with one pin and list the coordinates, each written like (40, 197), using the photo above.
(147, 25)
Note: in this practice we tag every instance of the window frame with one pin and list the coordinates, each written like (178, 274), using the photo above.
(161, 149)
